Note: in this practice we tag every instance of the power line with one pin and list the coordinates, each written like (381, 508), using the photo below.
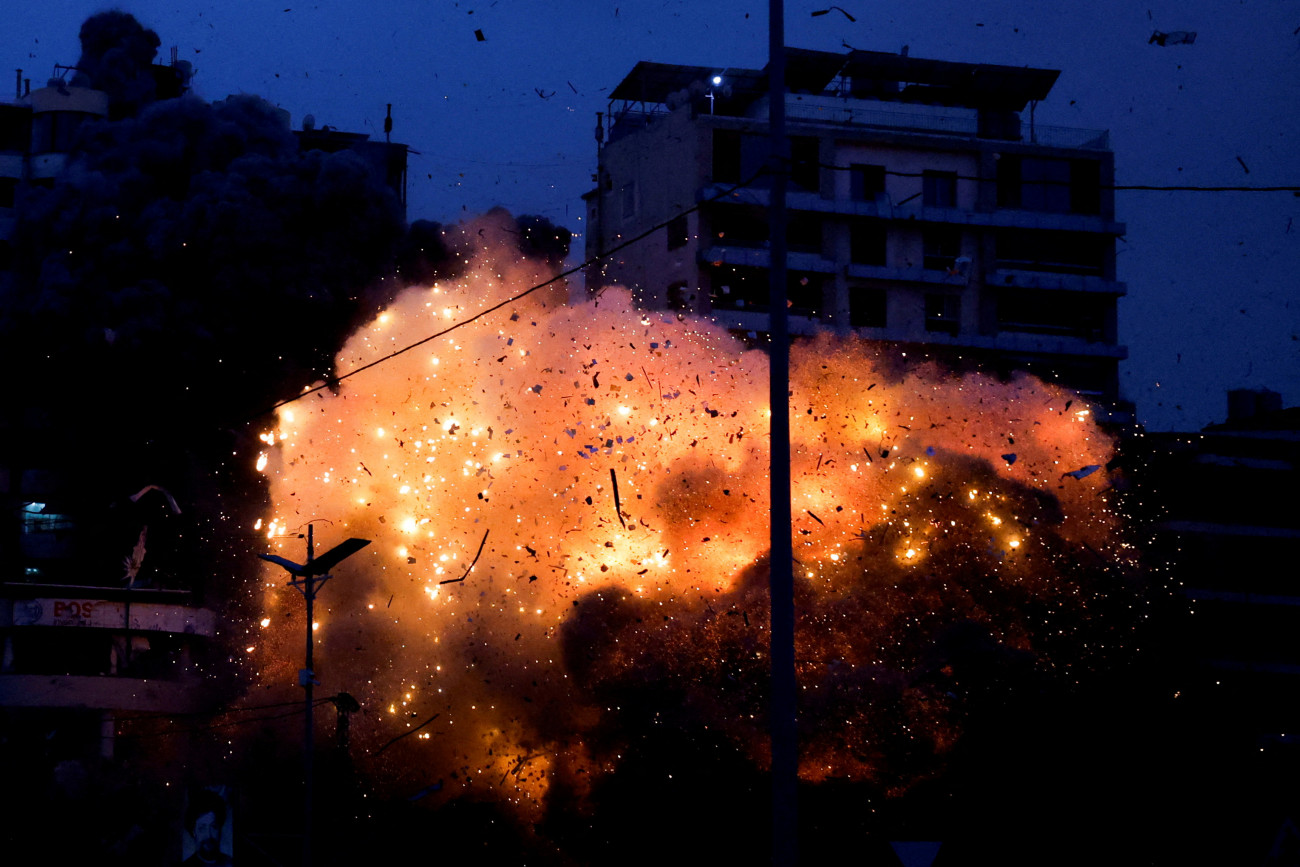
(333, 381)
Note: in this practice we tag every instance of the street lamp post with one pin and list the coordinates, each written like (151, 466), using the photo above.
(309, 578)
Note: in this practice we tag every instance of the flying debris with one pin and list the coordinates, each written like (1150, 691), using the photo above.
(1083, 472)
(903, 522)
(171, 501)
(1173, 37)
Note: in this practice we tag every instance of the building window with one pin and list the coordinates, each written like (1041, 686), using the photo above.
(804, 234)
(46, 533)
(1054, 252)
(867, 307)
(739, 226)
(1059, 314)
(867, 242)
(942, 313)
(941, 246)
(804, 292)
(805, 159)
(1047, 185)
(866, 182)
(1085, 186)
(740, 288)
(939, 189)
(8, 187)
(678, 232)
(1008, 181)
(726, 156)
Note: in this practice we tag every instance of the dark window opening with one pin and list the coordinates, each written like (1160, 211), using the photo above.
(1009, 180)
(1064, 314)
(866, 182)
(943, 313)
(1051, 186)
(939, 189)
(1089, 377)
(739, 226)
(804, 234)
(726, 156)
(867, 307)
(804, 293)
(749, 288)
(805, 168)
(1054, 252)
(678, 232)
(740, 288)
(941, 246)
(746, 226)
(1085, 186)
(867, 242)
(8, 189)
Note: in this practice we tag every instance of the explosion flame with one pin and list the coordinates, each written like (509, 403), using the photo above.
(569, 505)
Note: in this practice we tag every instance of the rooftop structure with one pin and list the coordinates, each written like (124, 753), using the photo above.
(924, 209)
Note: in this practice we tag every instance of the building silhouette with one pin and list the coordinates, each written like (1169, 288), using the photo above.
(114, 639)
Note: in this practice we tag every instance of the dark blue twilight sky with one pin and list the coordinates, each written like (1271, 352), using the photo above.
(1213, 278)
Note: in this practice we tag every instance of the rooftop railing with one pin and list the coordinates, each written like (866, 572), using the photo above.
(849, 115)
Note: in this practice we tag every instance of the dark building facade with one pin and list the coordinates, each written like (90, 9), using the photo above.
(924, 209)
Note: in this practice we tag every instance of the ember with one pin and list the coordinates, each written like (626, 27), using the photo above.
(568, 501)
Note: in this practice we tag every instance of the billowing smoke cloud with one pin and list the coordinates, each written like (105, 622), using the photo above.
(605, 472)
(117, 55)
(197, 261)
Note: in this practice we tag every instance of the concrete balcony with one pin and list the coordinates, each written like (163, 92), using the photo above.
(185, 695)
(1048, 281)
(761, 257)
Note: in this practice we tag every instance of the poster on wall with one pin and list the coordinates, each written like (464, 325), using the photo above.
(208, 835)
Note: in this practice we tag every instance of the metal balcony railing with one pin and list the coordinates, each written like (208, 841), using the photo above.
(850, 115)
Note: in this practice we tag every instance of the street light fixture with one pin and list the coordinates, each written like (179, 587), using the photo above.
(308, 578)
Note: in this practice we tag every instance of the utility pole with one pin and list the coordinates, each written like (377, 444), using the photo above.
(308, 578)
(783, 706)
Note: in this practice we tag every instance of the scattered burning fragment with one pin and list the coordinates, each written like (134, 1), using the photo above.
(604, 472)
